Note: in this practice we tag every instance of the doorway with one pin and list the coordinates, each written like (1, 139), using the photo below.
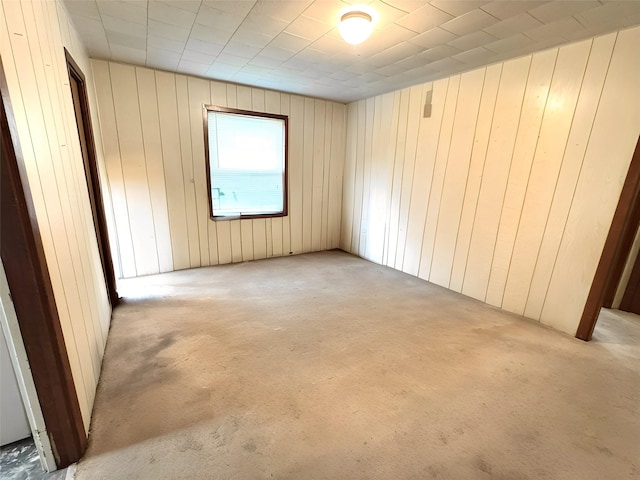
(87, 146)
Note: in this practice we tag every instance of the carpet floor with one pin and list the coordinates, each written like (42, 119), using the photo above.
(326, 366)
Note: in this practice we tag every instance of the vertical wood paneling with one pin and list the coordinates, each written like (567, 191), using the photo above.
(171, 152)
(509, 199)
(494, 181)
(533, 107)
(172, 161)
(32, 37)
(455, 179)
(582, 125)
(150, 122)
(437, 181)
(596, 195)
(552, 141)
(200, 94)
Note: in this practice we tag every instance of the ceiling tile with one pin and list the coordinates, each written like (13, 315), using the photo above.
(127, 55)
(198, 57)
(270, 26)
(516, 24)
(467, 23)
(446, 64)
(208, 34)
(556, 29)
(325, 11)
(200, 46)
(424, 18)
(307, 27)
(193, 67)
(406, 5)
(507, 44)
(164, 30)
(166, 44)
(235, 7)
(133, 12)
(610, 12)
(457, 7)
(286, 41)
(387, 13)
(439, 52)
(131, 41)
(87, 9)
(433, 37)
(115, 24)
(189, 5)
(472, 40)
(173, 16)
(276, 53)
(506, 9)
(240, 50)
(251, 38)
(234, 60)
(475, 55)
(557, 10)
(218, 19)
(286, 10)
(394, 54)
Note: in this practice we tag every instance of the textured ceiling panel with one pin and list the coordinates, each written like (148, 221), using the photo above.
(294, 45)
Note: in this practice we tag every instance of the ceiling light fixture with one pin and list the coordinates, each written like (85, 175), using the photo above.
(355, 26)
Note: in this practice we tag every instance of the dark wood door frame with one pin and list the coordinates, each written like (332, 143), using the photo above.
(88, 150)
(32, 295)
(616, 249)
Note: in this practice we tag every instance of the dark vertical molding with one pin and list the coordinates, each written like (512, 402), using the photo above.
(32, 295)
(93, 178)
(616, 249)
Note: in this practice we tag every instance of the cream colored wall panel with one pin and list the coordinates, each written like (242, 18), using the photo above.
(455, 179)
(437, 181)
(286, 226)
(390, 168)
(533, 106)
(296, 172)
(551, 144)
(363, 242)
(494, 180)
(106, 112)
(237, 254)
(150, 122)
(378, 190)
(414, 114)
(186, 156)
(317, 173)
(428, 133)
(127, 112)
(474, 178)
(326, 175)
(307, 175)
(581, 127)
(200, 94)
(172, 162)
(359, 178)
(614, 131)
(349, 178)
(396, 188)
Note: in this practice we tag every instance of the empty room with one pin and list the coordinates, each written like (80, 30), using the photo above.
(320, 239)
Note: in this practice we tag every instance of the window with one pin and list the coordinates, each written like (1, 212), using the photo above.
(246, 163)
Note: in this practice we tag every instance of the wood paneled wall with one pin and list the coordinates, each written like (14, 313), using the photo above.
(507, 191)
(32, 37)
(152, 127)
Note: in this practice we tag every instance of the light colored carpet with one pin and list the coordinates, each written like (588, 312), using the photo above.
(326, 366)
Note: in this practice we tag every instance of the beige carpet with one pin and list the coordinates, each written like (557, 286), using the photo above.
(326, 366)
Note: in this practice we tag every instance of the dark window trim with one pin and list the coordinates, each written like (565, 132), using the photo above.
(285, 180)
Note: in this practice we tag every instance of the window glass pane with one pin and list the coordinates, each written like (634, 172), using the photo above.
(247, 164)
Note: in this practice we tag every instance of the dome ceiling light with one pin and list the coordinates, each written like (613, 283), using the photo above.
(356, 25)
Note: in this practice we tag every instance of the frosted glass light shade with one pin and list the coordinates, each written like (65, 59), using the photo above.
(355, 27)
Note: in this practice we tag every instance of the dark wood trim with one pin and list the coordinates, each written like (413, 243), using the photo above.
(616, 249)
(630, 301)
(32, 295)
(285, 201)
(93, 179)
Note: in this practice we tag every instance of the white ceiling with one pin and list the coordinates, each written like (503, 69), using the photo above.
(294, 45)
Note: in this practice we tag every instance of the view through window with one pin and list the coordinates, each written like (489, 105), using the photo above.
(246, 163)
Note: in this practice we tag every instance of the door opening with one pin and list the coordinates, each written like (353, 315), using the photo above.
(87, 146)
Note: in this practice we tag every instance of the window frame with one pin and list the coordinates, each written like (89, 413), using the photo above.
(285, 174)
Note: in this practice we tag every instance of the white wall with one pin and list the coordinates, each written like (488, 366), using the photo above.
(13, 417)
(507, 192)
(152, 126)
(32, 37)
